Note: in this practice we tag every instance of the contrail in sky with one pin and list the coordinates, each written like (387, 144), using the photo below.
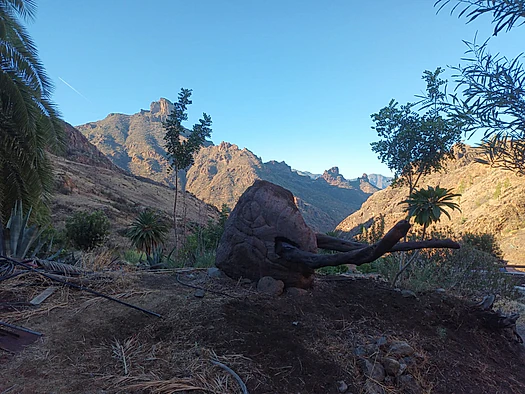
(76, 91)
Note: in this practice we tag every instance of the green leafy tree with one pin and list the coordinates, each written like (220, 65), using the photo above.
(148, 231)
(492, 96)
(505, 13)
(29, 122)
(181, 144)
(87, 230)
(413, 144)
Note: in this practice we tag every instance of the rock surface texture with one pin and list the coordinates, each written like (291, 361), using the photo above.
(264, 213)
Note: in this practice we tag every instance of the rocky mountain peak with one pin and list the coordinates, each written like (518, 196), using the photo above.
(334, 171)
(333, 177)
(224, 146)
(161, 108)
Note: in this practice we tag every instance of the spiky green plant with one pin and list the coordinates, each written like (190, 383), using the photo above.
(427, 205)
(18, 237)
(29, 122)
(148, 231)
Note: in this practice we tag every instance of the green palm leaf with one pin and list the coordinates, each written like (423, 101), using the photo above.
(29, 122)
(427, 205)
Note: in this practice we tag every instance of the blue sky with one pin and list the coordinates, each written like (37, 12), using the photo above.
(289, 80)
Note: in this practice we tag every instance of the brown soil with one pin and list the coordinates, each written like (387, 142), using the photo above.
(287, 344)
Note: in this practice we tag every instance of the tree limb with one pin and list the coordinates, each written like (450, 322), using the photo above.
(341, 245)
(363, 255)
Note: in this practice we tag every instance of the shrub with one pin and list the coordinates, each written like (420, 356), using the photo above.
(467, 271)
(87, 230)
(483, 241)
(199, 249)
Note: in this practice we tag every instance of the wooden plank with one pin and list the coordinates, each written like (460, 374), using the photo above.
(43, 296)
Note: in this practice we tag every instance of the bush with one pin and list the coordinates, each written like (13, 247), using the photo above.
(199, 248)
(484, 242)
(467, 271)
(87, 230)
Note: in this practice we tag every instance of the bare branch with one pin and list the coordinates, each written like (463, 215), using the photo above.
(366, 254)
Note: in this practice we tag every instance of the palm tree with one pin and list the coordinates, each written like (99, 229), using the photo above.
(29, 122)
(427, 205)
(148, 231)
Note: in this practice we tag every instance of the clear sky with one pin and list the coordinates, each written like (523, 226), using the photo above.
(288, 79)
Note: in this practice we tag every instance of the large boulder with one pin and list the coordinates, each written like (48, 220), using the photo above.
(264, 214)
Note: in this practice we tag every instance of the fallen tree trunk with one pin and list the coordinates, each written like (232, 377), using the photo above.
(342, 245)
(266, 235)
(362, 254)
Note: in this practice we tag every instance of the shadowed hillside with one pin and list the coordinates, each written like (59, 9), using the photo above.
(492, 200)
(87, 180)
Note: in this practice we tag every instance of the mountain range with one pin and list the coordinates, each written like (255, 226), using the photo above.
(131, 175)
(221, 173)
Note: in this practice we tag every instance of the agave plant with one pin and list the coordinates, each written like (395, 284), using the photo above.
(18, 237)
(427, 205)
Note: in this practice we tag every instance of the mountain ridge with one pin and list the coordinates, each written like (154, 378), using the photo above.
(135, 143)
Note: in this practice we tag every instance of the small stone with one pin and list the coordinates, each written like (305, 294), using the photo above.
(245, 281)
(296, 292)
(199, 293)
(214, 272)
(373, 371)
(441, 290)
(401, 349)
(372, 387)
(342, 387)
(371, 349)
(270, 286)
(408, 294)
(402, 368)
(391, 366)
(408, 360)
(381, 341)
(360, 351)
(409, 384)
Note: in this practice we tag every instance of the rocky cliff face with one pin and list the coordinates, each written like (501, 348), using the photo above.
(80, 150)
(334, 178)
(380, 181)
(222, 173)
(134, 142)
(492, 200)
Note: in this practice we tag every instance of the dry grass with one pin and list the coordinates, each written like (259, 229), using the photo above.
(274, 344)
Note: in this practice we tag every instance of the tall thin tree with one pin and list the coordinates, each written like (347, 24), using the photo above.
(182, 144)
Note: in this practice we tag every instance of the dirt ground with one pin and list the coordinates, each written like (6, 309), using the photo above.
(297, 344)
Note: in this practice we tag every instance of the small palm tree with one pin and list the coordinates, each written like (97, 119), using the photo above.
(427, 205)
(148, 231)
